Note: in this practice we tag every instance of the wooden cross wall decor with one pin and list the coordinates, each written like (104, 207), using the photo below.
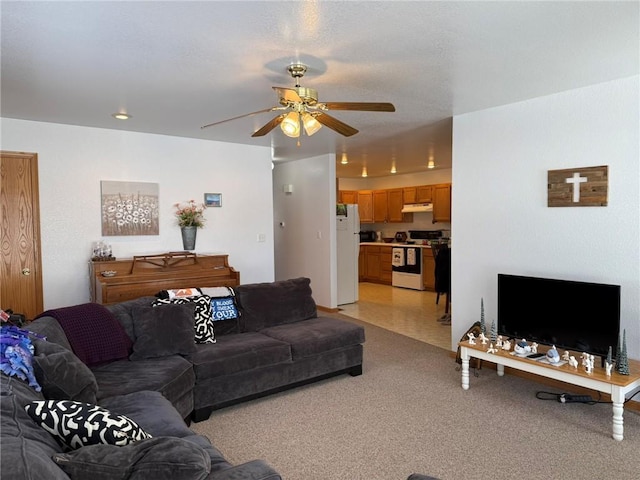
(578, 187)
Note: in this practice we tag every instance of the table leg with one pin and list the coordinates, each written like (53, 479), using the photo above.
(500, 370)
(617, 398)
(465, 368)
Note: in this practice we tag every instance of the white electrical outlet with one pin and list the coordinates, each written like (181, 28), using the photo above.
(319, 234)
(262, 237)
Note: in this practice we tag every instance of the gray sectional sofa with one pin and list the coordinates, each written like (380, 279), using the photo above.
(279, 341)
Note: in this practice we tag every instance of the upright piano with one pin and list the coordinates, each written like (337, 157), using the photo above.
(114, 281)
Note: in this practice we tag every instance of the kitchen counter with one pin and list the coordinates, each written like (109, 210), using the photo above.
(393, 244)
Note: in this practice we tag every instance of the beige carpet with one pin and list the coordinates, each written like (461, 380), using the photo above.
(407, 413)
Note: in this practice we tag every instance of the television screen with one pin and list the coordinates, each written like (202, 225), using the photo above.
(575, 316)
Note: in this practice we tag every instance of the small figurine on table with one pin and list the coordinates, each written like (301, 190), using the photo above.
(552, 355)
(589, 364)
(491, 349)
(522, 348)
(534, 347)
(472, 338)
(608, 367)
(565, 355)
(483, 338)
(506, 345)
(499, 341)
(573, 362)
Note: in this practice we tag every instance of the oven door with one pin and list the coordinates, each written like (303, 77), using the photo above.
(406, 260)
(406, 267)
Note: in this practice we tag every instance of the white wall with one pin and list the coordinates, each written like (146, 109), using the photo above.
(306, 245)
(501, 222)
(73, 160)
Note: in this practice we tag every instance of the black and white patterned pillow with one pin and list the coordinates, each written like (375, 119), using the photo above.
(79, 424)
(203, 321)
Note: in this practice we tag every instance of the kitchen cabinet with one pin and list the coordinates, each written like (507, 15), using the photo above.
(380, 206)
(365, 206)
(348, 196)
(424, 194)
(396, 201)
(428, 269)
(385, 265)
(410, 195)
(375, 264)
(442, 203)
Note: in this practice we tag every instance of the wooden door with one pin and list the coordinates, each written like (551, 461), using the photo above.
(20, 262)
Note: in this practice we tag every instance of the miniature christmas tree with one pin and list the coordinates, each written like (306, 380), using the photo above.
(618, 354)
(483, 328)
(623, 365)
(494, 331)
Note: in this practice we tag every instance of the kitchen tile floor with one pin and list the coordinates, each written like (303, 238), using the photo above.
(408, 312)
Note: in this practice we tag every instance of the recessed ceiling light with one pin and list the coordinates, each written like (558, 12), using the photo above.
(121, 116)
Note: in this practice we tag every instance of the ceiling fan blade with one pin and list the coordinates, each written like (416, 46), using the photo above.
(239, 116)
(361, 106)
(287, 94)
(269, 126)
(335, 124)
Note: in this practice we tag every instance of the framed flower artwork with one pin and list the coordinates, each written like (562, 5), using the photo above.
(129, 208)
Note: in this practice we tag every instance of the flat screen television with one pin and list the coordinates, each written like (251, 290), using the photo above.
(575, 316)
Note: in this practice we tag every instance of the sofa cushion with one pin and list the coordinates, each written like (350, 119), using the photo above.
(122, 311)
(203, 323)
(163, 458)
(49, 328)
(15, 422)
(23, 459)
(238, 353)
(156, 415)
(61, 374)
(172, 376)
(94, 334)
(77, 424)
(317, 335)
(163, 331)
(264, 305)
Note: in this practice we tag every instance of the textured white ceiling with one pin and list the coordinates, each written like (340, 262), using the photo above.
(176, 66)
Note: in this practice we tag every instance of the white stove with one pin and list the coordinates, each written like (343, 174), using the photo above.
(406, 267)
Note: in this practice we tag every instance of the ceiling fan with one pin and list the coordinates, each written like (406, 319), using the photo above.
(300, 109)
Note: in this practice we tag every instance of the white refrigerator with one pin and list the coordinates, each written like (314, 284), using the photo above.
(348, 246)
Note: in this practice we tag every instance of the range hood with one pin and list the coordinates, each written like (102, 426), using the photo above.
(417, 207)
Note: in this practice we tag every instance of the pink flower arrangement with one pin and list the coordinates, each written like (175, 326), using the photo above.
(190, 214)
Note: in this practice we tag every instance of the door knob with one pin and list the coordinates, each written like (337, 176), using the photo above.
(26, 271)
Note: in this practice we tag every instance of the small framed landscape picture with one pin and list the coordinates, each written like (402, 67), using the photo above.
(213, 199)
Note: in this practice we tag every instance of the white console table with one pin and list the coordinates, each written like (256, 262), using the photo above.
(616, 385)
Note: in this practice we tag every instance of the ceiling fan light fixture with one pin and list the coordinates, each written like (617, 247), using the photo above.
(344, 160)
(431, 163)
(290, 126)
(364, 171)
(311, 125)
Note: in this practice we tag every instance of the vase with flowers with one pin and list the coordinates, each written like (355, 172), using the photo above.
(190, 217)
